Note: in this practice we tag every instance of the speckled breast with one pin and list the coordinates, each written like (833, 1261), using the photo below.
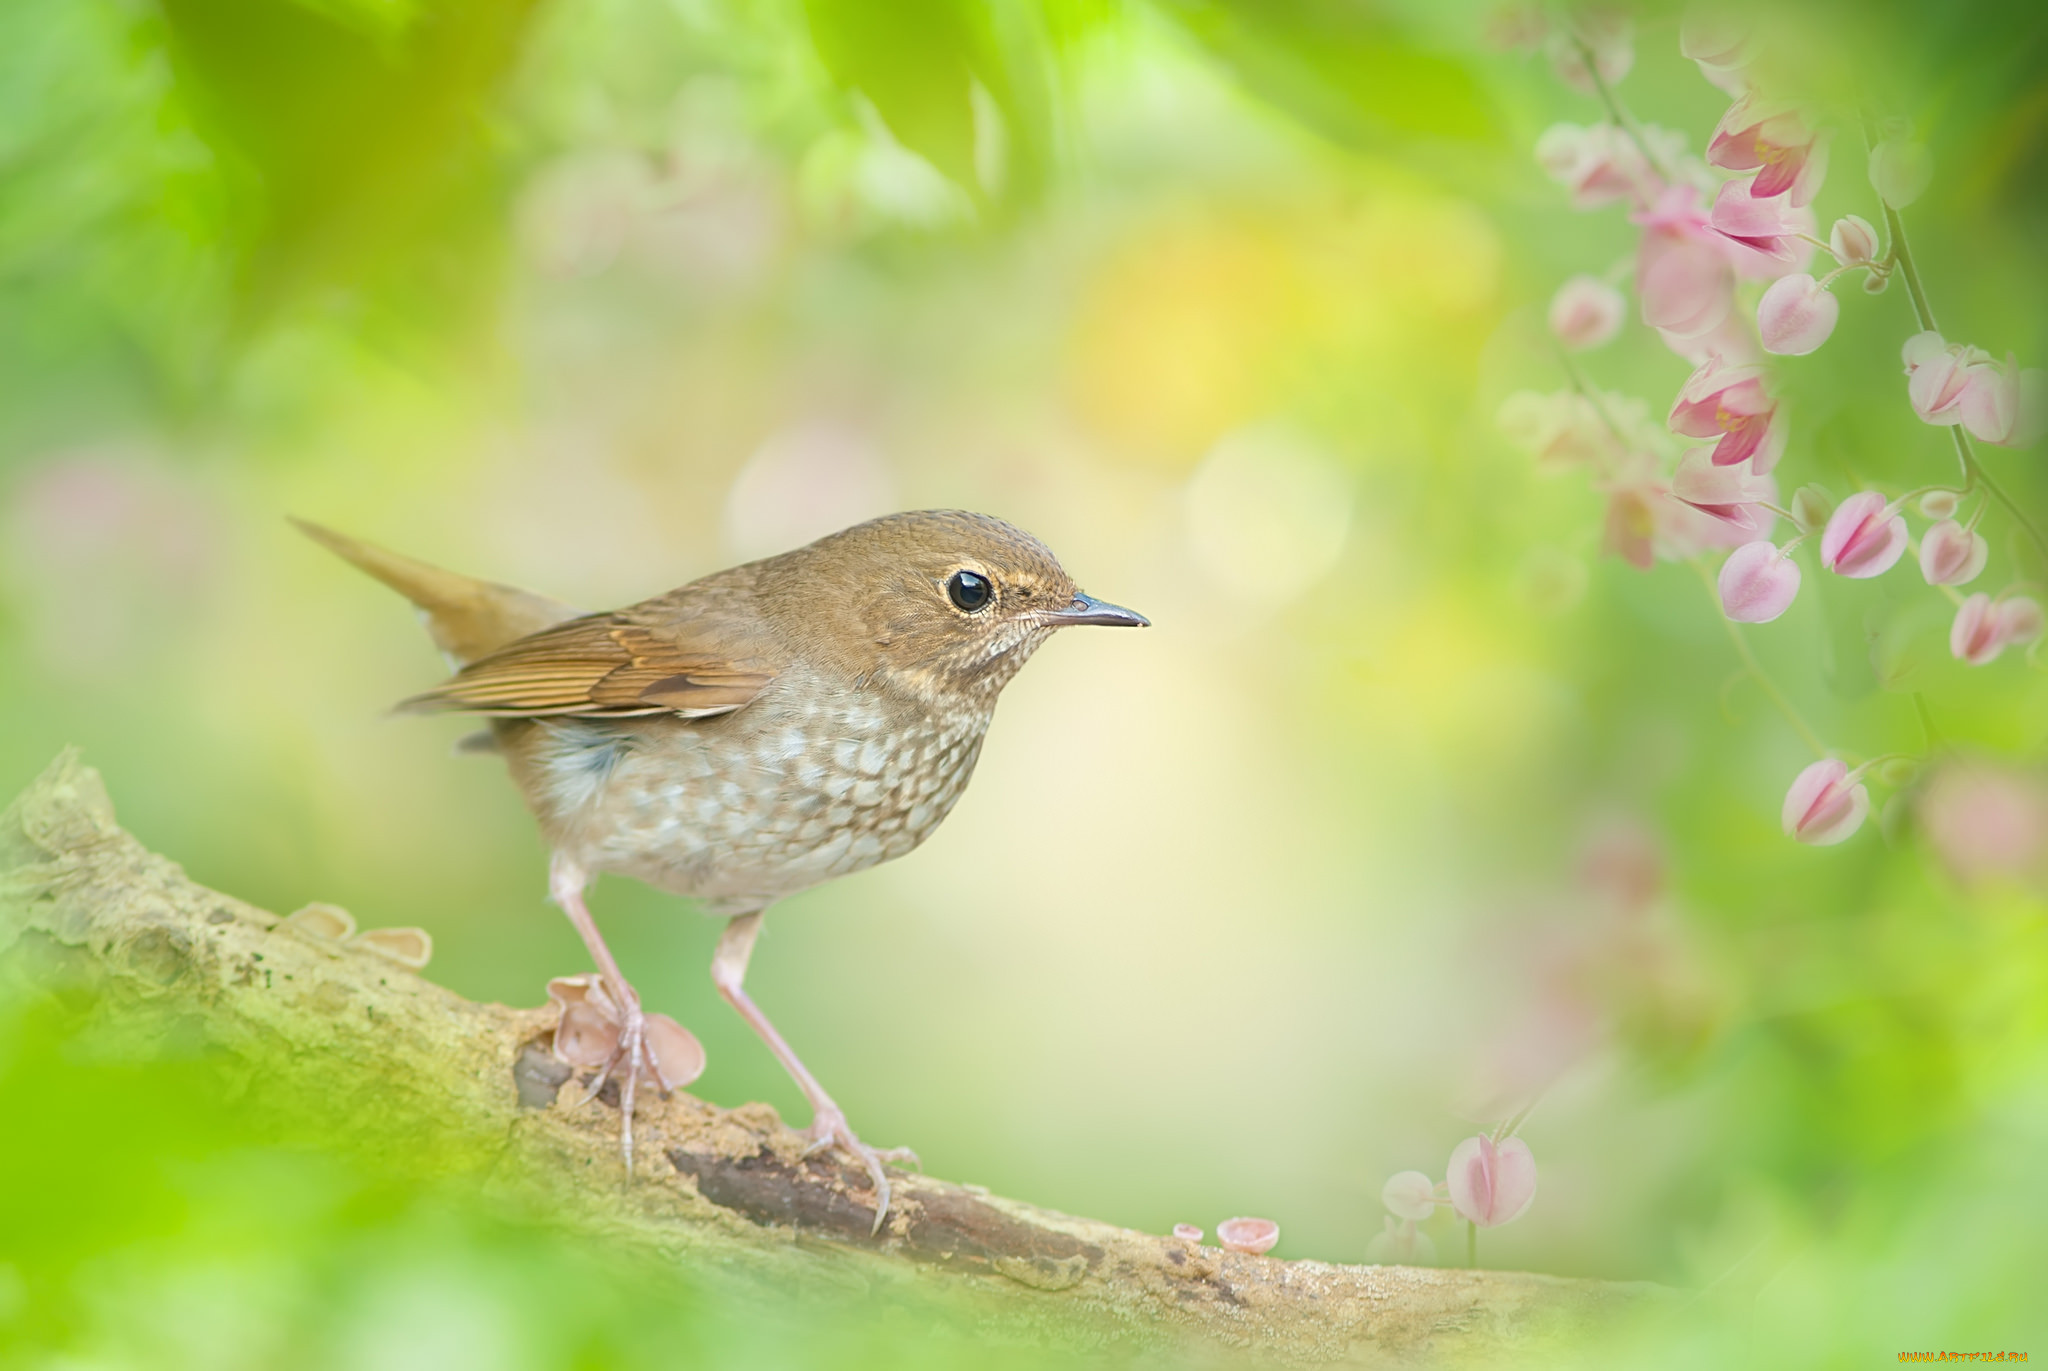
(743, 810)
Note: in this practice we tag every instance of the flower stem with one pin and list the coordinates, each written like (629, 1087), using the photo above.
(1620, 116)
(1973, 471)
(1471, 1244)
(1756, 669)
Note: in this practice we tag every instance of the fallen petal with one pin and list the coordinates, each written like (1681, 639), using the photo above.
(678, 1056)
(412, 948)
(328, 923)
(1248, 1235)
(1187, 1232)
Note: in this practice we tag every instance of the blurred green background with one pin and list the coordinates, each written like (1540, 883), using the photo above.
(1411, 803)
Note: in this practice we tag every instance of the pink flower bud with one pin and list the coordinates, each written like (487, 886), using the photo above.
(1936, 374)
(2019, 619)
(1987, 822)
(1409, 1195)
(1248, 1235)
(1757, 583)
(1796, 315)
(1975, 636)
(1187, 1232)
(1586, 312)
(1900, 169)
(1951, 555)
(1853, 241)
(1491, 1183)
(1865, 538)
(1825, 805)
(1719, 44)
(1939, 504)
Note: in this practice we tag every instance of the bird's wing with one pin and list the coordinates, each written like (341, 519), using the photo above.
(658, 658)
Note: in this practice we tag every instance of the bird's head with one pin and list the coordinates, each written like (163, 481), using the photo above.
(940, 603)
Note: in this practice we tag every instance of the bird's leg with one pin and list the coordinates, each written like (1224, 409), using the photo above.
(566, 882)
(828, 1121)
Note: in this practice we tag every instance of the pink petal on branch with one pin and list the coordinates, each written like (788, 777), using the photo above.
(1730, 403)
(1999, 403)
(1758, 583)
(1796, 315)
(1771, 138)
(1248, 1235)
(1725, 493)
(1491, 1183)
(1761, 224)
(1951, 555)
(1865, 537)
(1975, 636)
(1409, 1195)
(1586, 312)
(1825, 805)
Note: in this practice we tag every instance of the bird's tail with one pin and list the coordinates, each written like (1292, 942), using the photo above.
(466, 618)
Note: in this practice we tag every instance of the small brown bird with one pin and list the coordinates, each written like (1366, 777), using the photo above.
(752, 734)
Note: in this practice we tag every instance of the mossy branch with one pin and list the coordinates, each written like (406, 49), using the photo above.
(344, 1042)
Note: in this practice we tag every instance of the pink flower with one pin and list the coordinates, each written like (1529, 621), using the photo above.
(1853, 240)
(1983, 628)
(1796, 315)
(1864, 538)
(2002, 404)
(1730, 403)
(1683, 276)
(1726, 493)
(1600, 164)
(1765, 225)
(1409, 1195)
(1951, 555)
(1491, 1183)
(1953, 383)
(1248, 1235)
(1825, 804)
(1758, 583)
(1586, 312)
(1789, 158)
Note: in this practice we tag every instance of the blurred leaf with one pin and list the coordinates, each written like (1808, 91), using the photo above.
(1342, 69)
(918, 61)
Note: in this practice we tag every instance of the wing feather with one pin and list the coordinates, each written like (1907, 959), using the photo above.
(654, 659)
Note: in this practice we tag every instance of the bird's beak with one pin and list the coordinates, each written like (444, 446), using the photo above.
(1086, 609)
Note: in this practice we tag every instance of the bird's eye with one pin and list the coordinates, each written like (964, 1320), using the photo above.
(970, 590)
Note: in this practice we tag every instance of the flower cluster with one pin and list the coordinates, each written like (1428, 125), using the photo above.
(1735, 225)
(1490, 1180)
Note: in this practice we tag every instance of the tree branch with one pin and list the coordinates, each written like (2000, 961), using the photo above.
(336, 1037)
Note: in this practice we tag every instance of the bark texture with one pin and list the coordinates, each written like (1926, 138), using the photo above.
(337, 1038)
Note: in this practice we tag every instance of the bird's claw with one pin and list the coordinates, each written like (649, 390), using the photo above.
(829, 1129)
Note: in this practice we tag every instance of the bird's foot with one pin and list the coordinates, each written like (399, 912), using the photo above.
(829, 1129)
(603, 1027)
